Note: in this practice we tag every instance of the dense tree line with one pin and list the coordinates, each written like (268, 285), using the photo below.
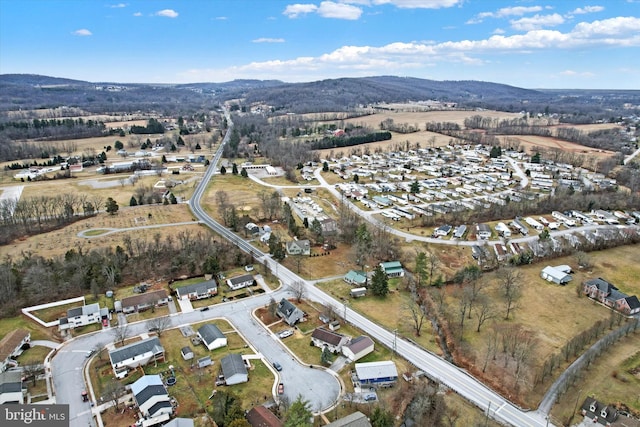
(32, 279)
(153, 126)
(348, 141)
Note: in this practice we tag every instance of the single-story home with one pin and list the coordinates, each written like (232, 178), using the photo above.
(325, 338)
(358, 348)
(144, 301)
(234, 369)
(259, 416)
(377, 374)
(11, 346)
(357, 419)
(11, 387)
(196, 291)
(135, 354)
(212, 337)
(240, 282)
(483, 231)
(443, 230)
(555, 275)
(392, 268)
(298, 247)
(355, 278)
(187, 353)
(289, 312)
(151, 396)
(81, 316)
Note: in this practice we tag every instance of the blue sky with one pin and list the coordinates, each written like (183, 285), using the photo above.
(526, 43)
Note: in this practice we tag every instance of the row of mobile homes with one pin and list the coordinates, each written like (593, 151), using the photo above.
(459, 231)
(519, 226)
(533, 223)
(606, 217)
(569, 222)
(403, 212)
(503, 230)
(582, 217)
(483, 231)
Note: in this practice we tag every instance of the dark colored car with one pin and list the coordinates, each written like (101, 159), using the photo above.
(204, 308)
(277, 366)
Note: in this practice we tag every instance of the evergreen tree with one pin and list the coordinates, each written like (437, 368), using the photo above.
(173, 199)
(235, 169)
(198, 146)
(415, 187)
(496, 151)
(535, 158)
(325, 357)
(164, 159)
(305, 222)
(299, 414)
(223, 170)
(381, 418)
(379, 282)
(118, 145)
(244, 173)
(325, 167)
(111, 206)
(133, 201)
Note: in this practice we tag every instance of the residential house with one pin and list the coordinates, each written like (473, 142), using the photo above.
(392, 268)
(135, 354)
(240, 282)
(329, 227)
(11, 346)
(357, 419)
(289, 312)
(212, 337)
(598, 412)
(196, 291)
(459, 231)
(234, 369)
(144, 301)
(501, 251)
(483, 231)
(605, 292)
(442, 231)
(325, 338)
(259, 416)
(356, 278)
(11, 387)
(298, 247)
(81, 316)
(358, 348)
(376, 374)
(556, 275)
(180, 422)
(151, 396)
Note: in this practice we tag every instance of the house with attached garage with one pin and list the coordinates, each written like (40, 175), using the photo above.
(325, 338)
(81, 316)
(139, 353)
(599, 413)
(289, 312)
(11, 346)
(196, 291)
(144, 301)
(234, 369)
(240, 282)
(358, 348)
(605, 292)
(392, 268)
(298, 247)
(151, 396)
(212, 337)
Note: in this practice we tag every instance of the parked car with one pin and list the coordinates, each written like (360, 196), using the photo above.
(85, 396)
(280, 388)
(248, 267)
(277, 366)
(105, 322)
(89, 353)
(286, 333)
(369, 397)
(204, 308)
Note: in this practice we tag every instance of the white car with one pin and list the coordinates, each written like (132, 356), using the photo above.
(248, 267)
(286, 333)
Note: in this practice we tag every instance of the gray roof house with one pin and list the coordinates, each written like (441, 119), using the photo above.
(81, 316)
(151, 396)
(555, 275)
(240, 282)
(234, 369)
(358, 348)
(598, 412)
(357, 419)
(197, 291)
(135, 354)
(11, 346)
(298, 247)
(289, 312)
(325, 338)
(212, 337)
(11, 387)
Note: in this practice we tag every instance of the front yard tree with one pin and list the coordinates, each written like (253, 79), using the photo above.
(325, 167)
(120, 333)
(299, 414)
(299, 290)
(381, 418)
(112, 391)
(111, 206)
(223, 170)
(415, 187)
(159, 324)
(379, 282)
(325, 356)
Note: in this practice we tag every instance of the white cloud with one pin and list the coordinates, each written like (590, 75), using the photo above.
(329, 9)
(267, 40)
(504, 13)
(137, 14)
(498, 31)
(118, 5)
(536, 22)
(220, 18)
(82, 32)
(168, 13)
(586, 9)
(572, 73)
(295, 10)
(420, 4)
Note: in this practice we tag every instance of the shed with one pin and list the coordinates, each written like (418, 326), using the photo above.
(187, 353)
(555, 275)
(358, 292)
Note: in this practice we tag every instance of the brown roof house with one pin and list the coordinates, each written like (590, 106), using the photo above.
(11, 346)
(325, 338)
(358, 348)
(144, 301)
(259, 416)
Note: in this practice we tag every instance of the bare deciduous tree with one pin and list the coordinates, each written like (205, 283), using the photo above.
(159, 324)
(510, 289)
(120, 333)
(414, 308)
(483, 311)
(299, 290)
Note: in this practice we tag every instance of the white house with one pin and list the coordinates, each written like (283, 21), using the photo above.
(325, 338)
(135, 354)
(81, 316)
(298, 247)
(234, 369)
(151, 396)
(358, 348)
(392, 268)
(198, 291)
(11, 387)
(11, 346)
(212, 337)
(556, 275)
(240, 282)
